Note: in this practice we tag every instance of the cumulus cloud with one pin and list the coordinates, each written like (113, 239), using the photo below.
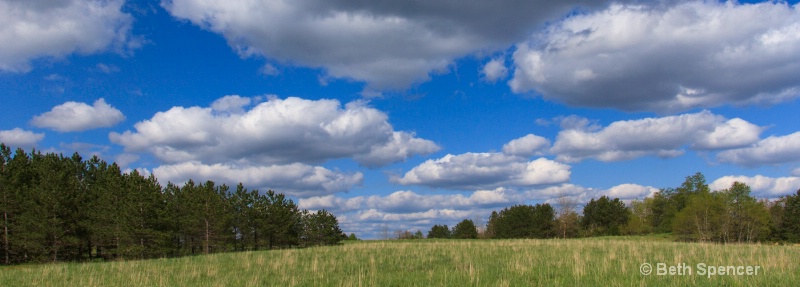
(666, 58)
(386, 43)
(409, 201)
(630, 191)
(277, 131)
(495, 70)
(484, 171)
(582, 195)
(34, 29)
(74, 116)
(125, 160)
(761, 186)
(772, 150)
(231, 104)
(19, 138)
(402, 145)
(526, 146)
(663, 137)
(293, 179)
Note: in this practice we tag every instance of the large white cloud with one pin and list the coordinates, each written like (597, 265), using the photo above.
(277, 131)
(484, 171)
(74, 116)
(761, 186)
(19, 138)
(666, 58)
(772, 150)
(664, 137)
(293, 179)
(387, 43)
(34, 29)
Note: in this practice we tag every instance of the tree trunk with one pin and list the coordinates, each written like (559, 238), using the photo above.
(5, 233)
(5, 218)
(207, 237)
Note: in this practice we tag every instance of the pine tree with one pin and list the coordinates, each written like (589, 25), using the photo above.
(6, 200)
(465, 230)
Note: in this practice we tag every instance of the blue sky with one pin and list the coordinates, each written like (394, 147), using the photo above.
(405, 116)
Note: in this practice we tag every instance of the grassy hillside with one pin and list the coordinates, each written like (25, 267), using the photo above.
(610, 261)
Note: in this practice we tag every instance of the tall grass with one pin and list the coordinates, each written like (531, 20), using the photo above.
(611, 261)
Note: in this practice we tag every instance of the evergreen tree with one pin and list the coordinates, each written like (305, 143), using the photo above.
(465, 230)
(57, 208)
(241, 204)
(439, 231)
(604, 216)
(790, 226)
(7, 201)
(320, 228)
(524, 221)
(147, 211)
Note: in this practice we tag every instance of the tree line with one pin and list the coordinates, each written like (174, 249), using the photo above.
(57, 208)
(691, 212)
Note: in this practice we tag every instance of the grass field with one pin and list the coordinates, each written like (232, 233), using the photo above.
(610, 261)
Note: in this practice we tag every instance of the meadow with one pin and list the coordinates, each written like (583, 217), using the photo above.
(604, 261)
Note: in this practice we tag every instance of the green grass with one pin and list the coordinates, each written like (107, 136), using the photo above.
(604, 261)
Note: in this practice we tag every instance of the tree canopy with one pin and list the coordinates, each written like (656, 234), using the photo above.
(57, 208)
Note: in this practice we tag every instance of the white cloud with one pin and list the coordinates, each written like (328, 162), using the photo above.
(35, 29)
(574, 122)
(293, 179)
(484, 170)
(761, 186)
(19, 138)
(125, 160)
(74, 116)
(231, 104)
(495, 70)
(409, 201)
(630, 191)
(526, 146)
(402, 145)
(582, 195)
(664, 137)
(664, 59)
(772, 150)
(385, 43)
(274, 132)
